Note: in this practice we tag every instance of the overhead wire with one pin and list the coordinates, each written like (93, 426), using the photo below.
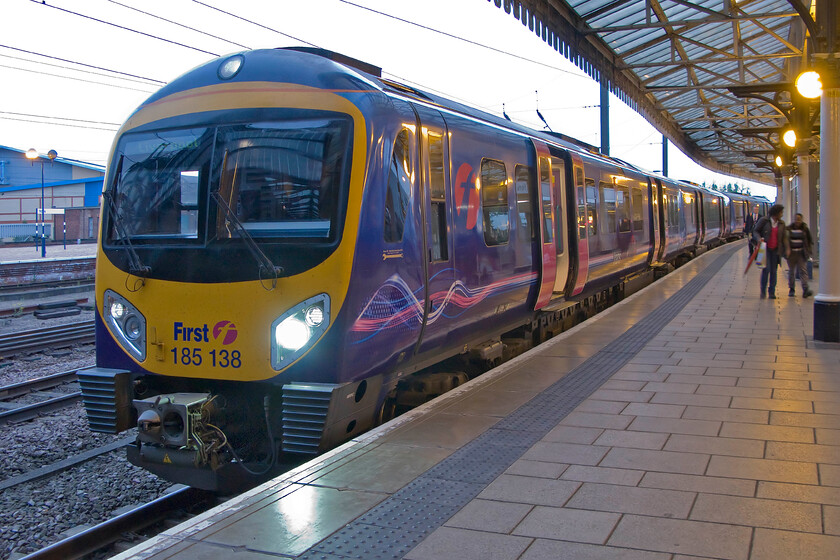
(73, 78)
(124, 28)
(74, 69)
(81, 64)
(57, 118)
(178, 24)
(114, 129)
(459, 38)
(255, 23)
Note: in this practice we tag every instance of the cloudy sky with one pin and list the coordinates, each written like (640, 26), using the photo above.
(72, 72)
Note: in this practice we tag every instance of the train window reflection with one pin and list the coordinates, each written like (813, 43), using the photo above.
(522, 179)
(608, 203)
(591, 215)
(494, 202)
(545, 193)
(638, 210)
(398, 193)
(156, 190)
(282, 179)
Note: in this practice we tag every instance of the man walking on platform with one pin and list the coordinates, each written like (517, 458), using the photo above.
(773, 232)
(800, 251)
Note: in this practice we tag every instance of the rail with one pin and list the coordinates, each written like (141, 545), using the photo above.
(109, 532)
(50, 337)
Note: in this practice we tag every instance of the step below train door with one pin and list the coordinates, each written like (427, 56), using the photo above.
(545, 214)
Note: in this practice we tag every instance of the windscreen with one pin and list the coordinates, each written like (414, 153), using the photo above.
(279, 180)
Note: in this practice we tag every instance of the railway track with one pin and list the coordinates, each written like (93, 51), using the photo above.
(109, 532)
(65, 464)
(47, 338)
(23, 412)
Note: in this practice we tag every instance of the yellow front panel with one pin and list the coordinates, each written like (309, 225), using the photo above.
(189, 326)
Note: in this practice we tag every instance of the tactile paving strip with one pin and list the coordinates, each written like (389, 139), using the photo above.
(396, 525)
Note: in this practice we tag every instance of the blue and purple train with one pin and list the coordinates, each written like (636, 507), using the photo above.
(294, 248)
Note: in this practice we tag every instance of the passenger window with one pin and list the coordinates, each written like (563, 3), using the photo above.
(608, 203)
(398, 194)
(622, 209)
(437, 188)
(638, 210)
(674, 214)
(545, 192)
(494, 202)
(591, 215)
(558, 169)
(581, 201)
(522, 183)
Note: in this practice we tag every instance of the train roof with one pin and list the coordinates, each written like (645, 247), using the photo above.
(326, 69)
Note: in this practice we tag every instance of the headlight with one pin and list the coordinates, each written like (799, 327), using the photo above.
(298, 329)
(314, 316)
(133, 327)
(126, 324)
(292, 334)
(117, 310)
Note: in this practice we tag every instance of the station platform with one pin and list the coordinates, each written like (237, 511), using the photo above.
(19, 252)
(692, 420)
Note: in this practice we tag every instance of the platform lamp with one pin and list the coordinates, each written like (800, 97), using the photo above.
(32, 154)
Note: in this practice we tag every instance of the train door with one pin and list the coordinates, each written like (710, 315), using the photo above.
(655, 232)
(660, 208)
(561, 230)
(581, 270)
(436, 204)
(545, 208)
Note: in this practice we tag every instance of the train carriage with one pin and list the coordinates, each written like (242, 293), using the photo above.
(294, 248)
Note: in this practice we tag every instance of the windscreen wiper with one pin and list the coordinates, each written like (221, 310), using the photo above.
(135, 265)
(265, 263)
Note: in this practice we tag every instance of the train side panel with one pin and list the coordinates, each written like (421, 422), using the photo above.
(617, 222)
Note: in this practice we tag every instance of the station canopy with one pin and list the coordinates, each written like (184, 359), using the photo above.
(714, 76)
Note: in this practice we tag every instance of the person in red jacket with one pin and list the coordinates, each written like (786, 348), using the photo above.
(771, 229)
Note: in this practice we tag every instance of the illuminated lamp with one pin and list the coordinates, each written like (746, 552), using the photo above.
(809, 85)
(789, 138)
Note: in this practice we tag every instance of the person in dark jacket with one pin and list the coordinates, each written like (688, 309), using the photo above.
(749, 226)
(771, 229)
(801, 245)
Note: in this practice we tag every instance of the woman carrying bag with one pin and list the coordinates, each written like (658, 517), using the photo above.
(771, 229)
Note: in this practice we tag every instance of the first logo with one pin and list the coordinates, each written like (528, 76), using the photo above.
(226, 331)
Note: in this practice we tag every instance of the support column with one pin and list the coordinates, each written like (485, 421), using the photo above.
(783, 197)
(807, 191)
(827, 301)
(664, 156)
(605, 116)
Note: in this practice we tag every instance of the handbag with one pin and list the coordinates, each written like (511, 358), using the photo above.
(761, 257)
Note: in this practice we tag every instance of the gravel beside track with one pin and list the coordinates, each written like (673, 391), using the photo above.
(35, 514)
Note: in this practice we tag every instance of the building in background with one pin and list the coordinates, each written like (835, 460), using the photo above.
(71, 192)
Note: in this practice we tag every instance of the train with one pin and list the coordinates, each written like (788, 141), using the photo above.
(294, 249)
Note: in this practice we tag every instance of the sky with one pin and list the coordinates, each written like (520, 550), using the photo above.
(72, 72)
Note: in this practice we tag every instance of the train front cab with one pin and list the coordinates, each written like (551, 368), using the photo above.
(211, 296)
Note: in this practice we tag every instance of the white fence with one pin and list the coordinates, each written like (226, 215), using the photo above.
(23, 232)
